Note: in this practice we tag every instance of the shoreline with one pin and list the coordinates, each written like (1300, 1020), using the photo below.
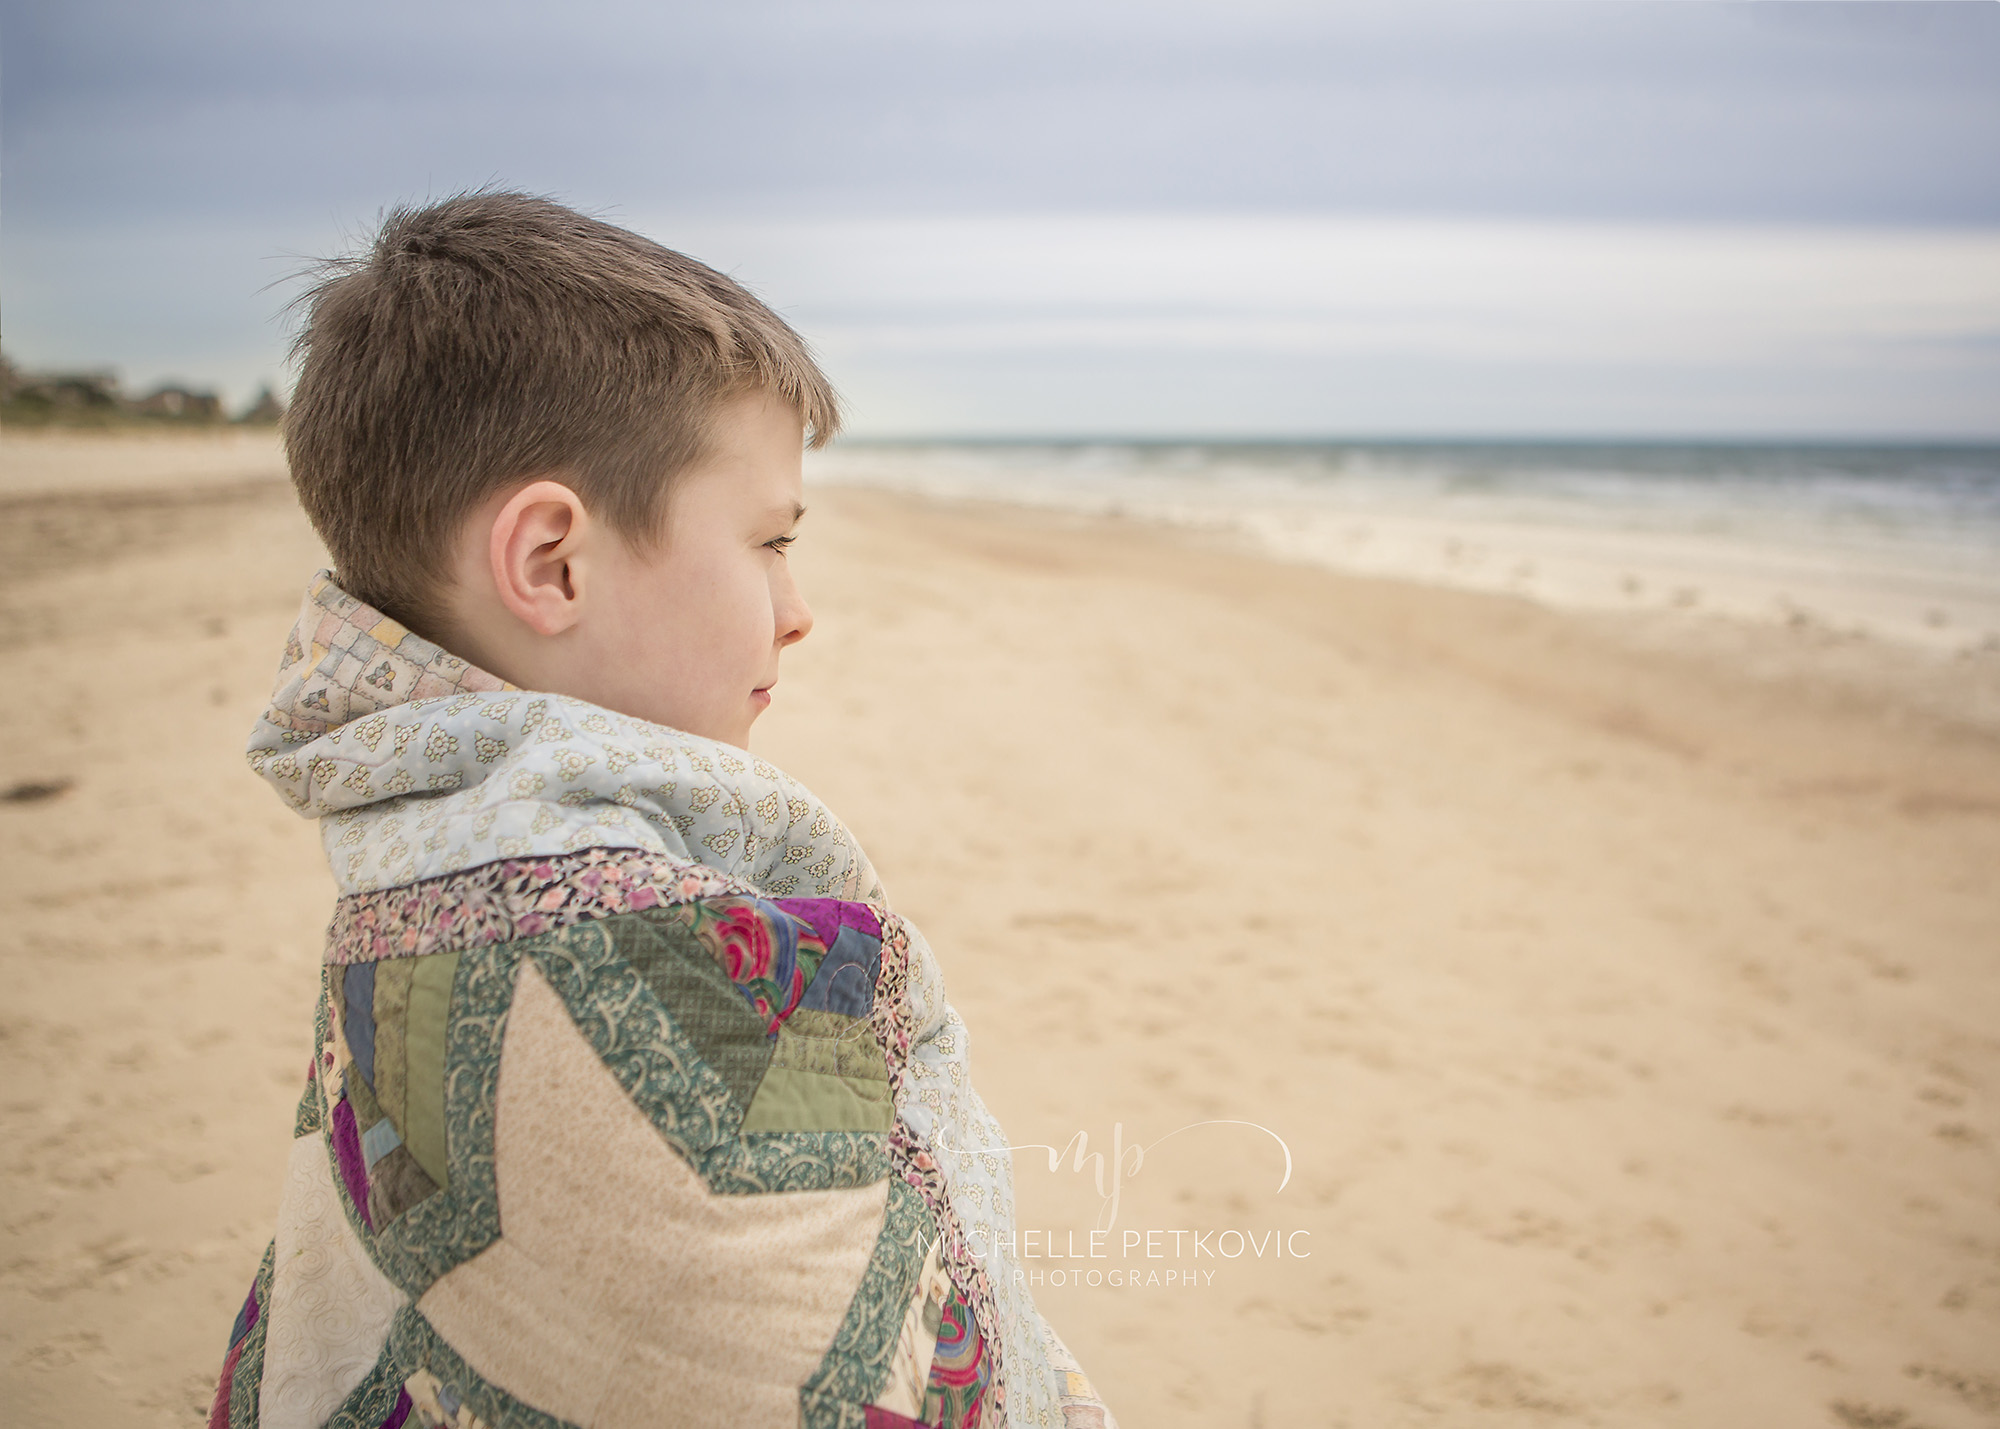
(1579, 538)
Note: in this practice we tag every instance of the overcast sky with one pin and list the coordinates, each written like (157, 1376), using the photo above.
(1111, 218)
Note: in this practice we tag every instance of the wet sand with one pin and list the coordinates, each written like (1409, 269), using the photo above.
(1626, 1000)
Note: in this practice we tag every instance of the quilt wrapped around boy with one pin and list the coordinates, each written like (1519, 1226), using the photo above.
(632, 1101)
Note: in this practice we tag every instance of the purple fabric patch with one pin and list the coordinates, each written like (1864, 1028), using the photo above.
(827, 916)
(347, 1153)
(246, 1318)
(400, 1412)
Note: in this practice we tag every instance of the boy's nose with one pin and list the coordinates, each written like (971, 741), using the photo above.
(795, 619)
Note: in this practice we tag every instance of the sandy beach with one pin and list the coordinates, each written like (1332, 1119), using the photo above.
(1625, 997)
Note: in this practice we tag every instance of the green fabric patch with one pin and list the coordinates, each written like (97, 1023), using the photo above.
(361, 1097)
(814, 1040)
(823, 1411)
(856, 1366)
(373, 1399)
(827, 1074)
(392, 1011)
(415, 1345)
(764, 1161)
(698, 994)
(790, 1100)
(396, 1183)
(422, 1123)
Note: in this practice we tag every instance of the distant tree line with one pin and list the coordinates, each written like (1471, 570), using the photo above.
(95, 399)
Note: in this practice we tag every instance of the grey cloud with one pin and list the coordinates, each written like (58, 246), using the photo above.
(1843, 112)
(161, 160)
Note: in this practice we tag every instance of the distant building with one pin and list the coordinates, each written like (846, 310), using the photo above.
(180, 405)
(266, 411)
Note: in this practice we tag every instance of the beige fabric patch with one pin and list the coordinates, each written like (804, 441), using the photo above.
(330, 1307)
(622, 1290)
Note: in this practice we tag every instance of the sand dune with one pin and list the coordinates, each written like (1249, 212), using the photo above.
(1627, 1005)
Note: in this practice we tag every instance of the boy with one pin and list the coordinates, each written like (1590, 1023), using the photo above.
(632, 1102)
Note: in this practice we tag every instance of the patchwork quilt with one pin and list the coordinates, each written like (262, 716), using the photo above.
(632, 1103)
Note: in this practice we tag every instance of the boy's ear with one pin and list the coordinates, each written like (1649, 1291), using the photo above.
(536, 548)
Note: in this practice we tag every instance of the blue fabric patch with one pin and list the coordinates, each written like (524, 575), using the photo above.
(378, 1141)
(359, 1023)
(845, 981)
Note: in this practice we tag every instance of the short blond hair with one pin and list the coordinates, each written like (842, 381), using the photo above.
(497, 337)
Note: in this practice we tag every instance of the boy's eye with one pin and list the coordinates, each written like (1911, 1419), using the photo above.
(781, 544)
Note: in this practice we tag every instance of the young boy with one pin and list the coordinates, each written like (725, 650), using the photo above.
(632, 1101)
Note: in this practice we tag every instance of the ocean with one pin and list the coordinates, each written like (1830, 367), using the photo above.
(1900, 543)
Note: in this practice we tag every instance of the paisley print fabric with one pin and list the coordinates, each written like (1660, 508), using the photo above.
(960, 1370)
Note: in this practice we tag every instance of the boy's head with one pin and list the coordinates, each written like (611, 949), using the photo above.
(547, 443)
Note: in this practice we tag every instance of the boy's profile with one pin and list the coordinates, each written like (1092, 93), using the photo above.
(632, 1102)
